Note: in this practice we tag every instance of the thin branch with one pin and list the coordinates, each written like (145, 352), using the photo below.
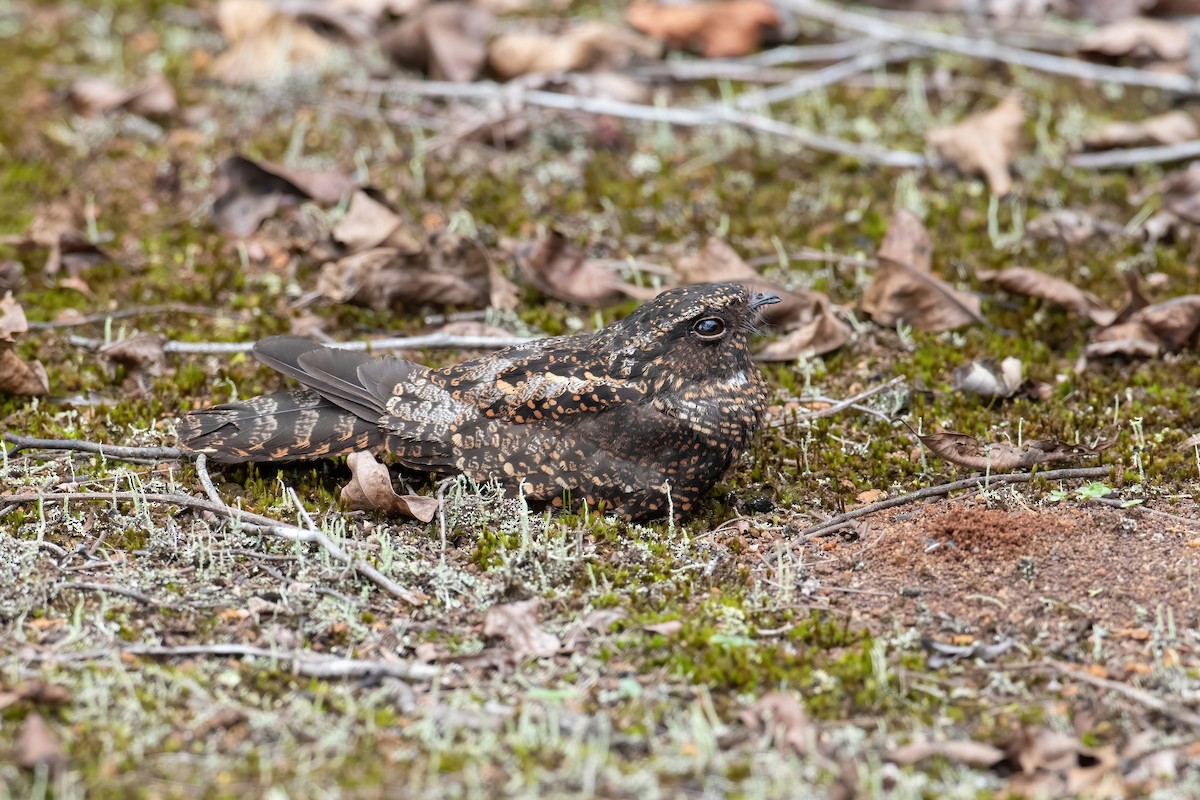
(841, 405)
(988, 49)
(113, 588)
(1168, 708)
(974, 481)
(107, 450)
(245, 519)
(142, 311)
(835, 73)
(433, 340)
(1133, 156)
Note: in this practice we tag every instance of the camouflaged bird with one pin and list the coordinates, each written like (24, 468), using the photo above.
(667, 396)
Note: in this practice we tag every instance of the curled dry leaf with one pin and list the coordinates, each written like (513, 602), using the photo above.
(57, 227)
(250, 192)
(974, 754)
(17, 377)
(721, 29)
(270, 41)
(371, 222)
(668, 628)
(519, 625)
(1069, 226)
(805, 317)
(987, 378)
(448, 270)
(967, 451)
(598, 621)
(904, 288)
(984, 143)
(1139, 37)
(143, 357)
(446, 41)
(1169, 326)
(590, 46)
(782, 715)
(91, 97)
(561, 269)
(1181, 194)
(35, 691)
(370, 489)
(1170, 128)
(36, 744)
(1029, 282)
(1190, 442)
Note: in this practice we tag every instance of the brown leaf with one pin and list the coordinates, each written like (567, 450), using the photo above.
(589, 46)
(1139, 37)
(93, 96)
(1033, 749)
(967, 451)
(446, 41)
(816, 330)
(560, 268)
(599, 621)
(986, 378)
(36, 744)
(1170, 128)
(1169, 326)
(782, 715)
(370, 489)
(143, 357)
(1030, 282)
(985, 143)
(721, 29)
(1181, 193)
(974, 754)
(1190, 442)
(250, 192)
(269, 41)
(1067, 225)
(35, 691)
(668, 628)
(370, 222)
(904, 289)
(12, 319)
(519, 624)
(20, 378)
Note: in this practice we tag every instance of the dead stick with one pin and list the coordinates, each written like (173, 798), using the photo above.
(1171, 709)
(1132, 156)
(106, 450)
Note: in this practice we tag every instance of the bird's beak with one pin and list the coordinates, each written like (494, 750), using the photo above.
(760, 299)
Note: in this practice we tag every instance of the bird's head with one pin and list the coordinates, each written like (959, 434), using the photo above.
(690, 333)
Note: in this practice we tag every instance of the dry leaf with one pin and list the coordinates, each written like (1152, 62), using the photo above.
(904, 289)
(560, 268)
(1030, 282)
(974, 754)
(599, 621)
(250, 192)
(782, 715)
(36, 744)
(16, 376)
(721, 29)
(267, 42)
(1181, 193)
(967, 451)
(1170, 128)
(668, 628)
(35, 691)
(1139, 37)
(143, 357)
(446, 41)
(1069, 226)
(153, 97)
(371, 222)
(1169, 326)
(1190, 442)
(370, 489)
(519, 624)
(986, 378)
(984, 143)
(815, 330)
(589, 46)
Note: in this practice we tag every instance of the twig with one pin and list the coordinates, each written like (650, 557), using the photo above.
(938, 491)
(988, 49)
(835, 73)
(124, 591)
(841, 405)
(400, 343)
(106, 450)
(683, 117)
(1133, 156)
(308, 665)
(246, 519)
(1174, 710)
(143, 311)
(1113, 503)
(206, 481)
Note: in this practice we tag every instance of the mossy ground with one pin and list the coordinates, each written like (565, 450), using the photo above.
(630, 712)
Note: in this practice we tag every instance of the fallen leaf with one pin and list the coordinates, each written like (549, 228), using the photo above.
(668, 628)
(967, 451)
(1169, 326)
(1190, 442)
(985, 143)
(143, 357)
(986, 378)
(36, 744)
(446, 41)
(560, 268)
(599, 620)
(1138, 37)
(12, 319)
(370, 489)
(268, 43)
(903, 287)
(815, 330)
(35, 691)
(1170, 128)
(974, 754)
(1029, 282)
(1069, 226)
(519, 625)
(721, 29)
(249, 192)
(370, 222)
(17, 377)
(782, 715)
(1033, 749)
(943, 653)
(589, 46)
(1181, 193)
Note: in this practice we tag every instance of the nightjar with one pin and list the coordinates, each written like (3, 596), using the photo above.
(662, 401)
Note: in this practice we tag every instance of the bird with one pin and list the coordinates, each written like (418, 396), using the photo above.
(639, 419)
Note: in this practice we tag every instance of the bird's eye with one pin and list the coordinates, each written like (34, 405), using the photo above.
(710, 328)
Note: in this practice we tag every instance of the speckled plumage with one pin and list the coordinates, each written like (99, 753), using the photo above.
(660, 397)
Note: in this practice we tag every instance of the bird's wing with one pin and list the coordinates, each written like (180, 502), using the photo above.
(535, 383)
